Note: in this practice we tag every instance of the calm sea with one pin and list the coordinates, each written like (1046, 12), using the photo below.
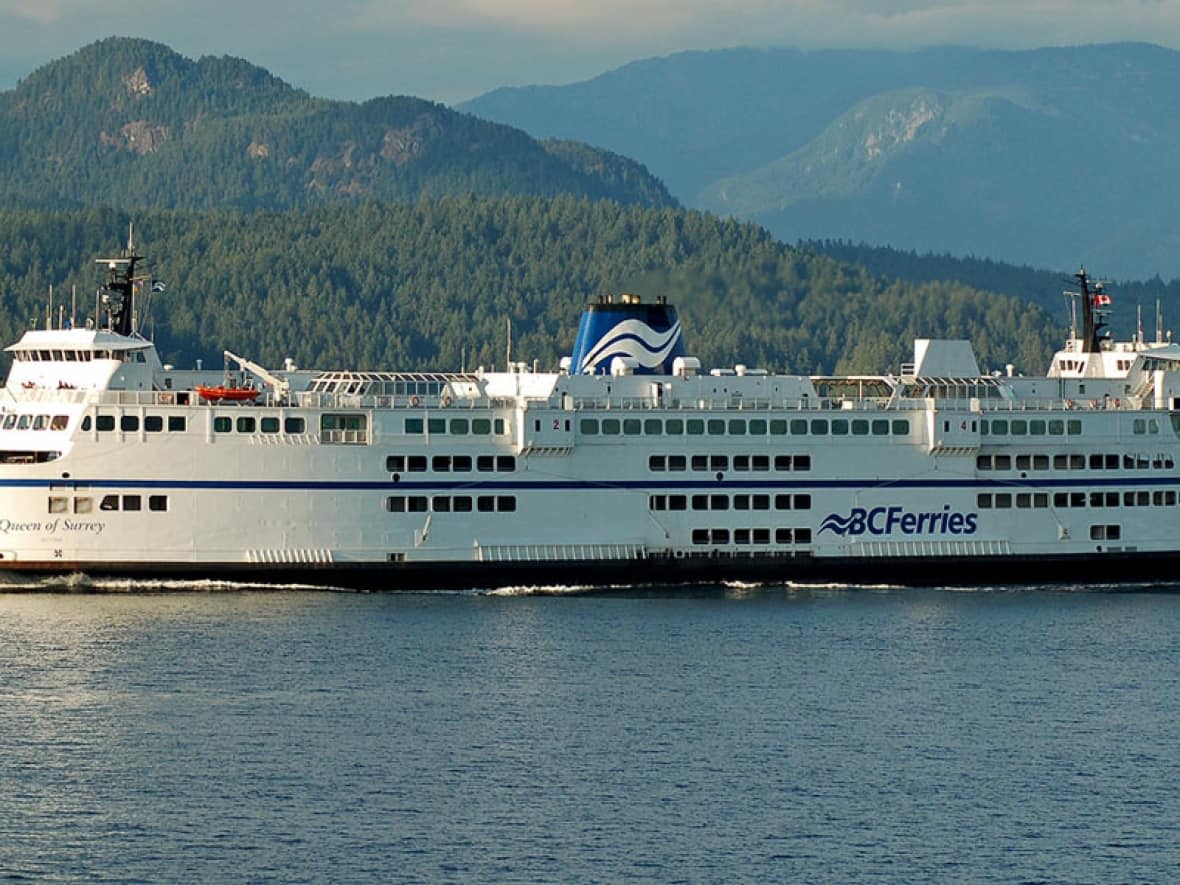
(718, 735)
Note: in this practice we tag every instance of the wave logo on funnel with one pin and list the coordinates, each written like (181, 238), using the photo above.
(632, 338)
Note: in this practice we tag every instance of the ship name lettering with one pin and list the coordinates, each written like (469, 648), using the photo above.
(71, 525)
(9, 525)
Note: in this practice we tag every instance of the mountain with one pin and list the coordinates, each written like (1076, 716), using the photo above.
(131, 123)
(1048, 157)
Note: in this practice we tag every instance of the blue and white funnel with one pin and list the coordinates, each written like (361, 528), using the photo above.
(649, 334)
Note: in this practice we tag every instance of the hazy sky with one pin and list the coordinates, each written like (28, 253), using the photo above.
(449, 50)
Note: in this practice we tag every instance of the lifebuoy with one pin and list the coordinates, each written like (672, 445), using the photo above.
(1117, 404)
(1069, 404)
(414, 401)
(1093, 404)
(446, 401)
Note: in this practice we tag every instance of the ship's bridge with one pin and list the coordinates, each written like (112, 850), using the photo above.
(84, 359)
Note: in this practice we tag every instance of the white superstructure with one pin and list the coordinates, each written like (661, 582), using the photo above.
(634, 465)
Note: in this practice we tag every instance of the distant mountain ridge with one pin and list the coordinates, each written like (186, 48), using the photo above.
(129, 122)
(1049, 157)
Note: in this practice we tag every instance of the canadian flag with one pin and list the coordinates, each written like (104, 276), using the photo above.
(1101, 300)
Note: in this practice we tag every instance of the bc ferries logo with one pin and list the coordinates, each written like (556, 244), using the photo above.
(636, 339)
(899, 521)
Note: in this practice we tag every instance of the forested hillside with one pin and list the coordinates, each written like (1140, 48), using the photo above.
(431, 285)
(1042, 287)
(130, 123)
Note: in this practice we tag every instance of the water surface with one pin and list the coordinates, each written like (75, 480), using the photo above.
(714, 735)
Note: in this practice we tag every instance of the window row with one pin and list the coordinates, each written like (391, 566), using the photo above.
(34, 422)
(1105, 461)
(744, 426)
(714, 463)
(248, 424)
(131, 423)
(1145, 427)
(129, 503)
(723, 502)
(450, 463)
(457, 426)
(1105, 532)
(78, 356)
(1031, 427)
(751, 536)
(1025, 500)
(451, 504)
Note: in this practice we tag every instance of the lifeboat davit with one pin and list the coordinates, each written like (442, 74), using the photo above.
(230, 394)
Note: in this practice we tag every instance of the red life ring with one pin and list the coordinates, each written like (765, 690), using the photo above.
(414, 401)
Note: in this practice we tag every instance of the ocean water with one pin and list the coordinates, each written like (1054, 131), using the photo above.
(715, 735)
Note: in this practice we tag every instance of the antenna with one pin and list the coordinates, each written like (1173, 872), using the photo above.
(1159, 323)
(509, 352)
(1139, 324)
(49, 310)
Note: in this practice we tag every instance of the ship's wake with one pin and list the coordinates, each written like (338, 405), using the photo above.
(82, 583)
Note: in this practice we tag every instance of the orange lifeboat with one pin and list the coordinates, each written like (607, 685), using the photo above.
(227, 394)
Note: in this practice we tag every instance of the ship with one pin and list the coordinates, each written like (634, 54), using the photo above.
(627, 465)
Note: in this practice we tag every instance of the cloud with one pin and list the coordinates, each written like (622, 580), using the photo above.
(798, 22)
(454, 49)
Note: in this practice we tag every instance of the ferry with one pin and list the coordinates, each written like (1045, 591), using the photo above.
(630, 464)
